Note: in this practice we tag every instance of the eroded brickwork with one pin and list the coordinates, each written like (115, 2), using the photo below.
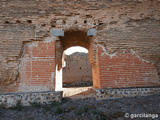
(125, 69)
(37, 68)
(122, 26)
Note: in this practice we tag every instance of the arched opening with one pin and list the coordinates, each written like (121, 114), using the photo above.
(72, 37)
(72, 59)
(76, 68)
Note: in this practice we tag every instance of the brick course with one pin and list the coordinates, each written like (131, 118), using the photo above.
(125, 69)
(38, 67)
(128, 30)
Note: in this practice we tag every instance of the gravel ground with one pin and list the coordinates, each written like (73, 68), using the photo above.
(87, 109)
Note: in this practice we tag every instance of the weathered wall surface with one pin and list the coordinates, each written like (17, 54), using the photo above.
(121, 25)
(125, 69)
(125, 92)
(37, 67)
(29, 98)
(77, 70)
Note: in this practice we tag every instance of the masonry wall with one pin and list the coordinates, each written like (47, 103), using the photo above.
(37, 68)
(11, 100)
(132, 26)
(77, 71)
(125, 69)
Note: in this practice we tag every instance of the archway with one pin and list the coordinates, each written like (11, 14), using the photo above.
(76, 70)
(70, 39)
(42, 60)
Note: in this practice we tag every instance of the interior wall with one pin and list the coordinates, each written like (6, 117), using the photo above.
(77, 70)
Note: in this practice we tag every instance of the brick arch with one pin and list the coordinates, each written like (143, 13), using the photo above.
(41, 58)
(72, 37)
(123, 68)
(75, 37)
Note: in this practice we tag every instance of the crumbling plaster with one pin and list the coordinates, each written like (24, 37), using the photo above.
(127, 24)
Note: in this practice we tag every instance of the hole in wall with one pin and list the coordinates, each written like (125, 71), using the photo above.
(18, 21)
(43, 25)
(29, 21)
(6, 22)
(85, 21)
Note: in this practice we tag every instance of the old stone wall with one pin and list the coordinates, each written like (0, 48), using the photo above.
(129, 27)
(29, 98)
(77, 71)
(125, 92)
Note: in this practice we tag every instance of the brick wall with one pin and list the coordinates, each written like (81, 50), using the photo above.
(125, 69)
(130, 25)
(37, 69)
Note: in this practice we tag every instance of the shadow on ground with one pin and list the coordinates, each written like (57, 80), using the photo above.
(85, 109)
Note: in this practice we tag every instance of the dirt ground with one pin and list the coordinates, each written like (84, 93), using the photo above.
(88, 109)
